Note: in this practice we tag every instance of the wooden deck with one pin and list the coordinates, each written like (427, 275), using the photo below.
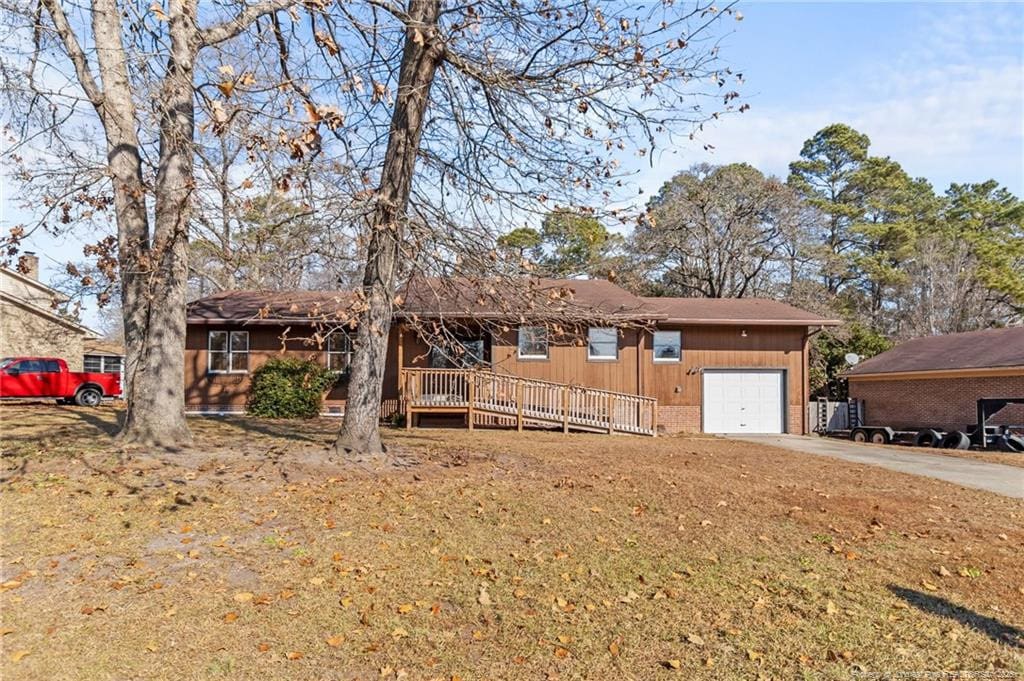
(488, 398)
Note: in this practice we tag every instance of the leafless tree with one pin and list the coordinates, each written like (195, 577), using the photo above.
(135, 76)
(721, 232)
(249, 232)
(462, 119)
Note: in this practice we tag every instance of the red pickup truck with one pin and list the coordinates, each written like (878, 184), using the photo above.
(48, 377)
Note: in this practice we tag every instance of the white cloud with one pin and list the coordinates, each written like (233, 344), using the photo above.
(948, 106)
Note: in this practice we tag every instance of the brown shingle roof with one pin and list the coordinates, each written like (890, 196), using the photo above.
(751, 311)
(269, 306)
(97, 346)
(991, 348)
(502, 299)
(431, 297)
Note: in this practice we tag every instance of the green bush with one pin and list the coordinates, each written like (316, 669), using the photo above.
(288, 388)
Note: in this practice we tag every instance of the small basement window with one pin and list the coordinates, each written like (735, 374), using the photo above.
(602, 344)
(667, 346)
(533, 342)
(228, 352)
(339, 352)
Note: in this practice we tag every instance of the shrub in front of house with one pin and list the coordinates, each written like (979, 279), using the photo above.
(289, 388)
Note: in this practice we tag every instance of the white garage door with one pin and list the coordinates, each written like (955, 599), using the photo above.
(742, 402)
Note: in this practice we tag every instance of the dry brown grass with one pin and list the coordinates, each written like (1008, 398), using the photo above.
(488, 555)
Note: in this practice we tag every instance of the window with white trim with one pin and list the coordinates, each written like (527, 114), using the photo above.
(602, 344)
(228, 352)
(102, 364)
(339, 351)
(533, 342)
(668, 346)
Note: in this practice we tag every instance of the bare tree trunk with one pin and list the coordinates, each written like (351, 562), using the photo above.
(152, 301)
(420, 58)
(159, 377)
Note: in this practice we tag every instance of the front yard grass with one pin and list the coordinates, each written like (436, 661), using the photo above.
(487, 555)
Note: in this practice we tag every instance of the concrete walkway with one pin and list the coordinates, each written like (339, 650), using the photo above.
(993, 477)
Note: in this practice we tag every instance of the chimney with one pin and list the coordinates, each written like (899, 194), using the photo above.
(28, 264)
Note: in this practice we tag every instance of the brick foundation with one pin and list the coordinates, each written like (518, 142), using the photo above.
(679, 419)
(796, 419)
(686, 419)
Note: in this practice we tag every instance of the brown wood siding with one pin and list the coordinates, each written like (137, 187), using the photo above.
(229, 391)
(672, 384)
(568, 363)
(718, 347)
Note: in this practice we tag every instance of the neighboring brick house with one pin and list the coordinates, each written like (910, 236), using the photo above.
(30, 323)
(936, 381)
(717, 365)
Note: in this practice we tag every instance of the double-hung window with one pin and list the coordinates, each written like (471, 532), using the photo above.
(339, 351)
(228, 352)
(533, 342)
(602, 344)
(667, 346)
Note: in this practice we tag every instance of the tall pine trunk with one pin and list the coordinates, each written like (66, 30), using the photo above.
(421, 55)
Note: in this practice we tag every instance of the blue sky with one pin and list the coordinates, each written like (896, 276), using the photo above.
(938, 86)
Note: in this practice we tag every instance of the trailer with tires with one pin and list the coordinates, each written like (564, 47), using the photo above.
(849, 423)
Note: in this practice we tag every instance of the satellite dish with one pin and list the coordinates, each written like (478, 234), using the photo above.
(852, 358)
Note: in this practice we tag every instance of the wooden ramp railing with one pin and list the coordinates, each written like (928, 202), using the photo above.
(489, 398)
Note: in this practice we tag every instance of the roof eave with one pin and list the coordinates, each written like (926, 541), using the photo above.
(947, 372)
(753, 322)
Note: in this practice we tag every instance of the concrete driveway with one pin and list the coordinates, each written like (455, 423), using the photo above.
(993, 477)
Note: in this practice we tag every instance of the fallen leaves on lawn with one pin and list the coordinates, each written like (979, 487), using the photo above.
(17, 655)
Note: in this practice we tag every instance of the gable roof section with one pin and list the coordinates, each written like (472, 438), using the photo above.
(33, 284)
(49, 315)
(734, 311)
(987, 349)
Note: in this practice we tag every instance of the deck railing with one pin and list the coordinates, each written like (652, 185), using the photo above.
(484, 394)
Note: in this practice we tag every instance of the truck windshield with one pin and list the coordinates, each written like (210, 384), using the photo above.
(5, 362)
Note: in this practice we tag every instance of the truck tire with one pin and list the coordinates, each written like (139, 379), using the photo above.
(88, 397)
(881, 436)
(956, 440)
(859, 435)
(928, 437)
(1011, 443)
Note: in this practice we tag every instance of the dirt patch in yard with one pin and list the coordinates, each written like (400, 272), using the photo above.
(490, 554)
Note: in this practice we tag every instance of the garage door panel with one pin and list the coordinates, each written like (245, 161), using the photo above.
(743, 401)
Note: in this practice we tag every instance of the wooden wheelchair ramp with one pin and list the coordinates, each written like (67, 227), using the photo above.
(488, 398)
